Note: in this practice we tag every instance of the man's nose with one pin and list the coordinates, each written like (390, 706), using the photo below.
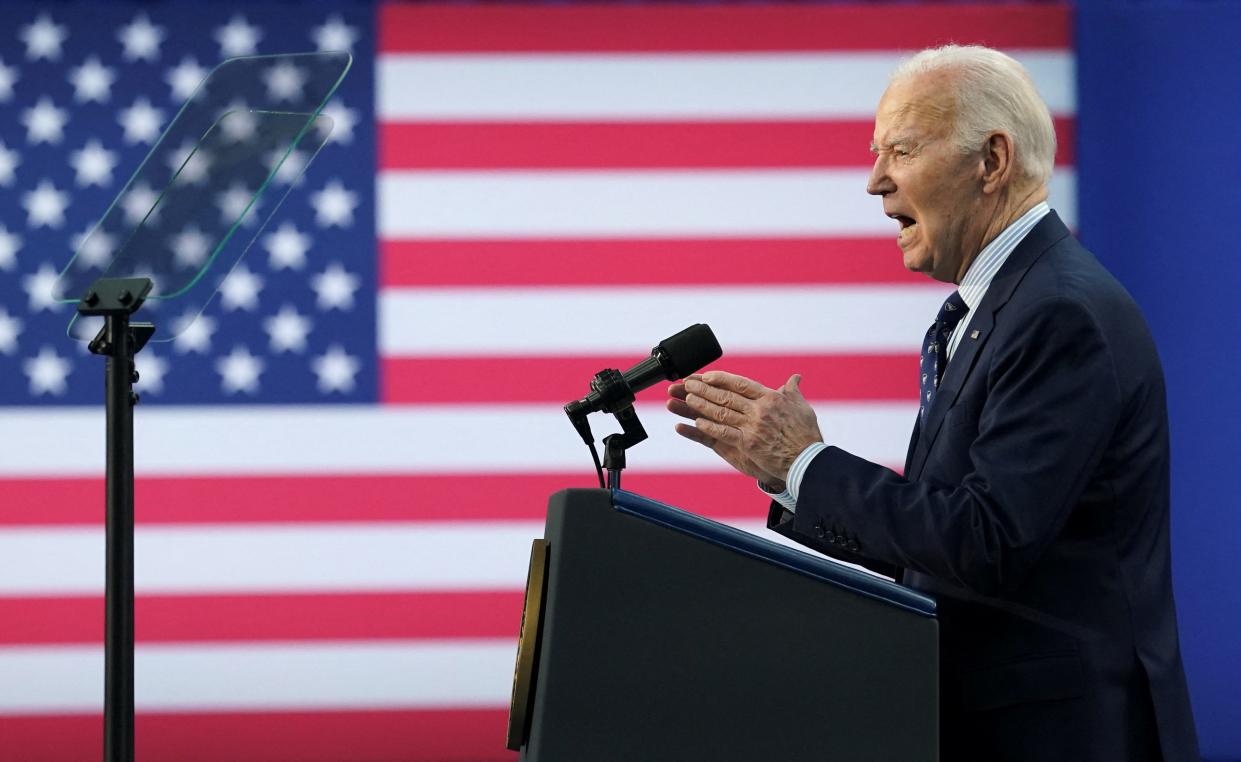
(879, 183)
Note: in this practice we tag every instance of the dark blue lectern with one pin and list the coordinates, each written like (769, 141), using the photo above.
(654, 634)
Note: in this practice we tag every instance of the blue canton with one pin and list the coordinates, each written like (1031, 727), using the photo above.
(89, 89)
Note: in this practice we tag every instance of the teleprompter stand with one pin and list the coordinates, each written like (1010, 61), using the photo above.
(115, 299)
(230, 140)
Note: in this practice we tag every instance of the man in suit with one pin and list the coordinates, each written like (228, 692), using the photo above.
(1034, 501)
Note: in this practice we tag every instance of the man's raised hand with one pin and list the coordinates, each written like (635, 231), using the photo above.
(757, 430)
(731, 455)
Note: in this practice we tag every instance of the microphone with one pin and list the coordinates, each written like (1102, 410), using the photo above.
(673, 358)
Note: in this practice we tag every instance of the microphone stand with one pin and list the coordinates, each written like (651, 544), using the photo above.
(617, 398)
(614, 445)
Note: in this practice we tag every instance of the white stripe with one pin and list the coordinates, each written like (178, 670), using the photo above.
(249, 558)
(629, 204)
(375, 675)
(480, 87)
(272, 558)
(391, 439)
(643, 204)
(569, 321)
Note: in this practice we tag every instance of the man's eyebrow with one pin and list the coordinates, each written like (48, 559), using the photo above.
(892, 143)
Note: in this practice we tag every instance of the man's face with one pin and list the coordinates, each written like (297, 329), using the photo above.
(927, 185)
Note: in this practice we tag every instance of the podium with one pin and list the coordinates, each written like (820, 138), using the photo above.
(651, 633)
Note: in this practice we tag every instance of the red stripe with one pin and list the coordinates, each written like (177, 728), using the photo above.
(565, 145)
(442, 735)
(210, 618)
(354, 498)
(639, 145)
(727, 261)
(718, 28)
(558, 379)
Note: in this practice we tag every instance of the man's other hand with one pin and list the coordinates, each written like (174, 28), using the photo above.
(757, 430)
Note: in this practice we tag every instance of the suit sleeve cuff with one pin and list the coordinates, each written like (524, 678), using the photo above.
(788, 498)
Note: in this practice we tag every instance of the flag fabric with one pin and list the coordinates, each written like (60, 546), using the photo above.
(342, 464)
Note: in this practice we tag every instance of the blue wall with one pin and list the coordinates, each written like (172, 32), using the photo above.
(1159, 150)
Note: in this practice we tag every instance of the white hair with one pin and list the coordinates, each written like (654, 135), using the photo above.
(993, 93)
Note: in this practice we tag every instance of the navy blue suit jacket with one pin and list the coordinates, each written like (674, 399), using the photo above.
(1034, 507)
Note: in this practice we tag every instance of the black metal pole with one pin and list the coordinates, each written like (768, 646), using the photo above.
(114, 299)
(614, 458)
(118, 680)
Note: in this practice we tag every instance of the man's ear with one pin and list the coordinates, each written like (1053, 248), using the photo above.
(999, 167)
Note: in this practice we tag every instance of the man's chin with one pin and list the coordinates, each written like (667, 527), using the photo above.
(915, 261)
(918, 261)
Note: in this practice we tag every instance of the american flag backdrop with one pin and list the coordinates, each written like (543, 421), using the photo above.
(342, 463)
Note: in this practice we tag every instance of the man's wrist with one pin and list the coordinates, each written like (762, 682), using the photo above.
(785, 493)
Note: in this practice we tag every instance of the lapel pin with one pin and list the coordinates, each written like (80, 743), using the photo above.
(974, 334)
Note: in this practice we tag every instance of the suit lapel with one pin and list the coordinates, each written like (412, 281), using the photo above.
(1041, 237)
(913, 446)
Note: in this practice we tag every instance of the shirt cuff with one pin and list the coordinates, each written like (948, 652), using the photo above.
(792, 482)
(783, 498)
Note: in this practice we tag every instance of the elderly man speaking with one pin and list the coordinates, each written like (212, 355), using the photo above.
(1034, 499)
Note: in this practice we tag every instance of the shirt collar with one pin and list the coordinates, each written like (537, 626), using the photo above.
(983, 269)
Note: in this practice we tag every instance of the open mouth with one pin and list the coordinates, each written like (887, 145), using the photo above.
(905, 222)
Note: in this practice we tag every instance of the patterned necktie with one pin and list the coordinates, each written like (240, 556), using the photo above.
(935, 349)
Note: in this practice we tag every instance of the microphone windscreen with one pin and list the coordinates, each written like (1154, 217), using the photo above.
(689, 351)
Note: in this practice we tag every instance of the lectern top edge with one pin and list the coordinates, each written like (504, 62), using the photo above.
(823, 569)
